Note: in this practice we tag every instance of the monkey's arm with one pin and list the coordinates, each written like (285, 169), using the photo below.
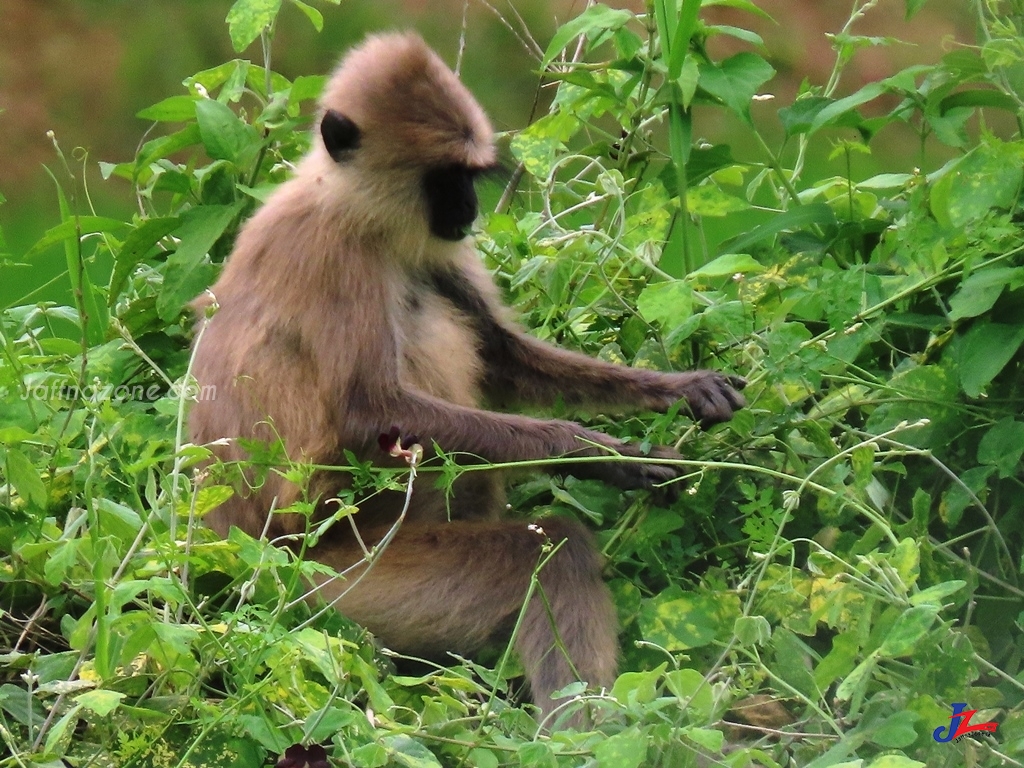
(524, 369)
(500, 437)
(528, 370)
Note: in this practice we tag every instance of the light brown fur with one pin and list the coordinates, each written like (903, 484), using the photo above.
(341, 314)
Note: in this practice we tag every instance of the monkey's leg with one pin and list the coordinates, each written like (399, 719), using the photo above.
(455, 586)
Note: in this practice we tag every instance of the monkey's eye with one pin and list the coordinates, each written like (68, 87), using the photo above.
(340, 135)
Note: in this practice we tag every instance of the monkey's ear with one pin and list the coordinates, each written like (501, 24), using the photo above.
(340, 134)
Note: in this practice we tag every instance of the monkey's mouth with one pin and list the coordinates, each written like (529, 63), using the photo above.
(455, 234)
(450, 230)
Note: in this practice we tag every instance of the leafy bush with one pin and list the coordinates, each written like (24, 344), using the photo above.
(842, 567)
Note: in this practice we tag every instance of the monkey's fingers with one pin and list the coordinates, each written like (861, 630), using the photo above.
(714, 398)
(633, 475)
(663, 480)
(736, 382)
(665, 490)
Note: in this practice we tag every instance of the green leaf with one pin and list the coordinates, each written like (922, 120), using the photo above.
(183, 280)
(648, 225)
(70, 229)
(680, 623)
(725, 265)
(23, 475)
(989, 177)
(686, 24)
(958, 496)
(742, 5)
(536, 145)
(690, 686)
(689, 77)
(369, 756)
(248, 18)
(61, 560)
(983, 352)
(134, 248)
(406, 751)
(838, 109)
(224, 135)
(739, 33)
(326, 722)
(791, 661)
(793, 219)
(921, 505)
(61, 728)
(167, 145)
(710, 200)
(800, 116)
(885, 181)
(536, 754)
(306, 87)
(213, 78)
(704, 161)
(912, 7)
(234, 85)
(896, 731)
(207, 499)
(709, 738)
(14, 435)
(680, 141)
(669, 303)
(895, 761)
(176, 109)
(1002, 446)
(315, 17)
(839, 661)
(906, 560)
(863, 461)
(907, 630)
(100, 702)
(752, 630)
(632, 688)
(736, 80)
(483, 758)
(934, 595)
(269, 735)
(118, 519)
(856, 682)
(623, 750)
(597, 18)
(977, 98)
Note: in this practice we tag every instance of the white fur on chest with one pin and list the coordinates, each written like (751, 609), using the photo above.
(439, 351)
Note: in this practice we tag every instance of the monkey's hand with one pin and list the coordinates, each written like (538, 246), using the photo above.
(712, 397)
(626, 474)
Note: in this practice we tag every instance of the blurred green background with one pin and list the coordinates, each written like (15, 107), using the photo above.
(83, 68)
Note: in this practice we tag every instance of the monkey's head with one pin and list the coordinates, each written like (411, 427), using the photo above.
(397, 120)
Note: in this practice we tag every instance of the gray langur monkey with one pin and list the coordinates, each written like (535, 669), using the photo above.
(353, 302)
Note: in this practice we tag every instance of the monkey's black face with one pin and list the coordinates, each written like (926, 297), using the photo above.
(449, 191)
(451, 200)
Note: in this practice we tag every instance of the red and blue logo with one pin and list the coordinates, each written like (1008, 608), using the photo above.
(960, 725)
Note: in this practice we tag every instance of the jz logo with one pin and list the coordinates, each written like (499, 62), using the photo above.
(960, 724)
